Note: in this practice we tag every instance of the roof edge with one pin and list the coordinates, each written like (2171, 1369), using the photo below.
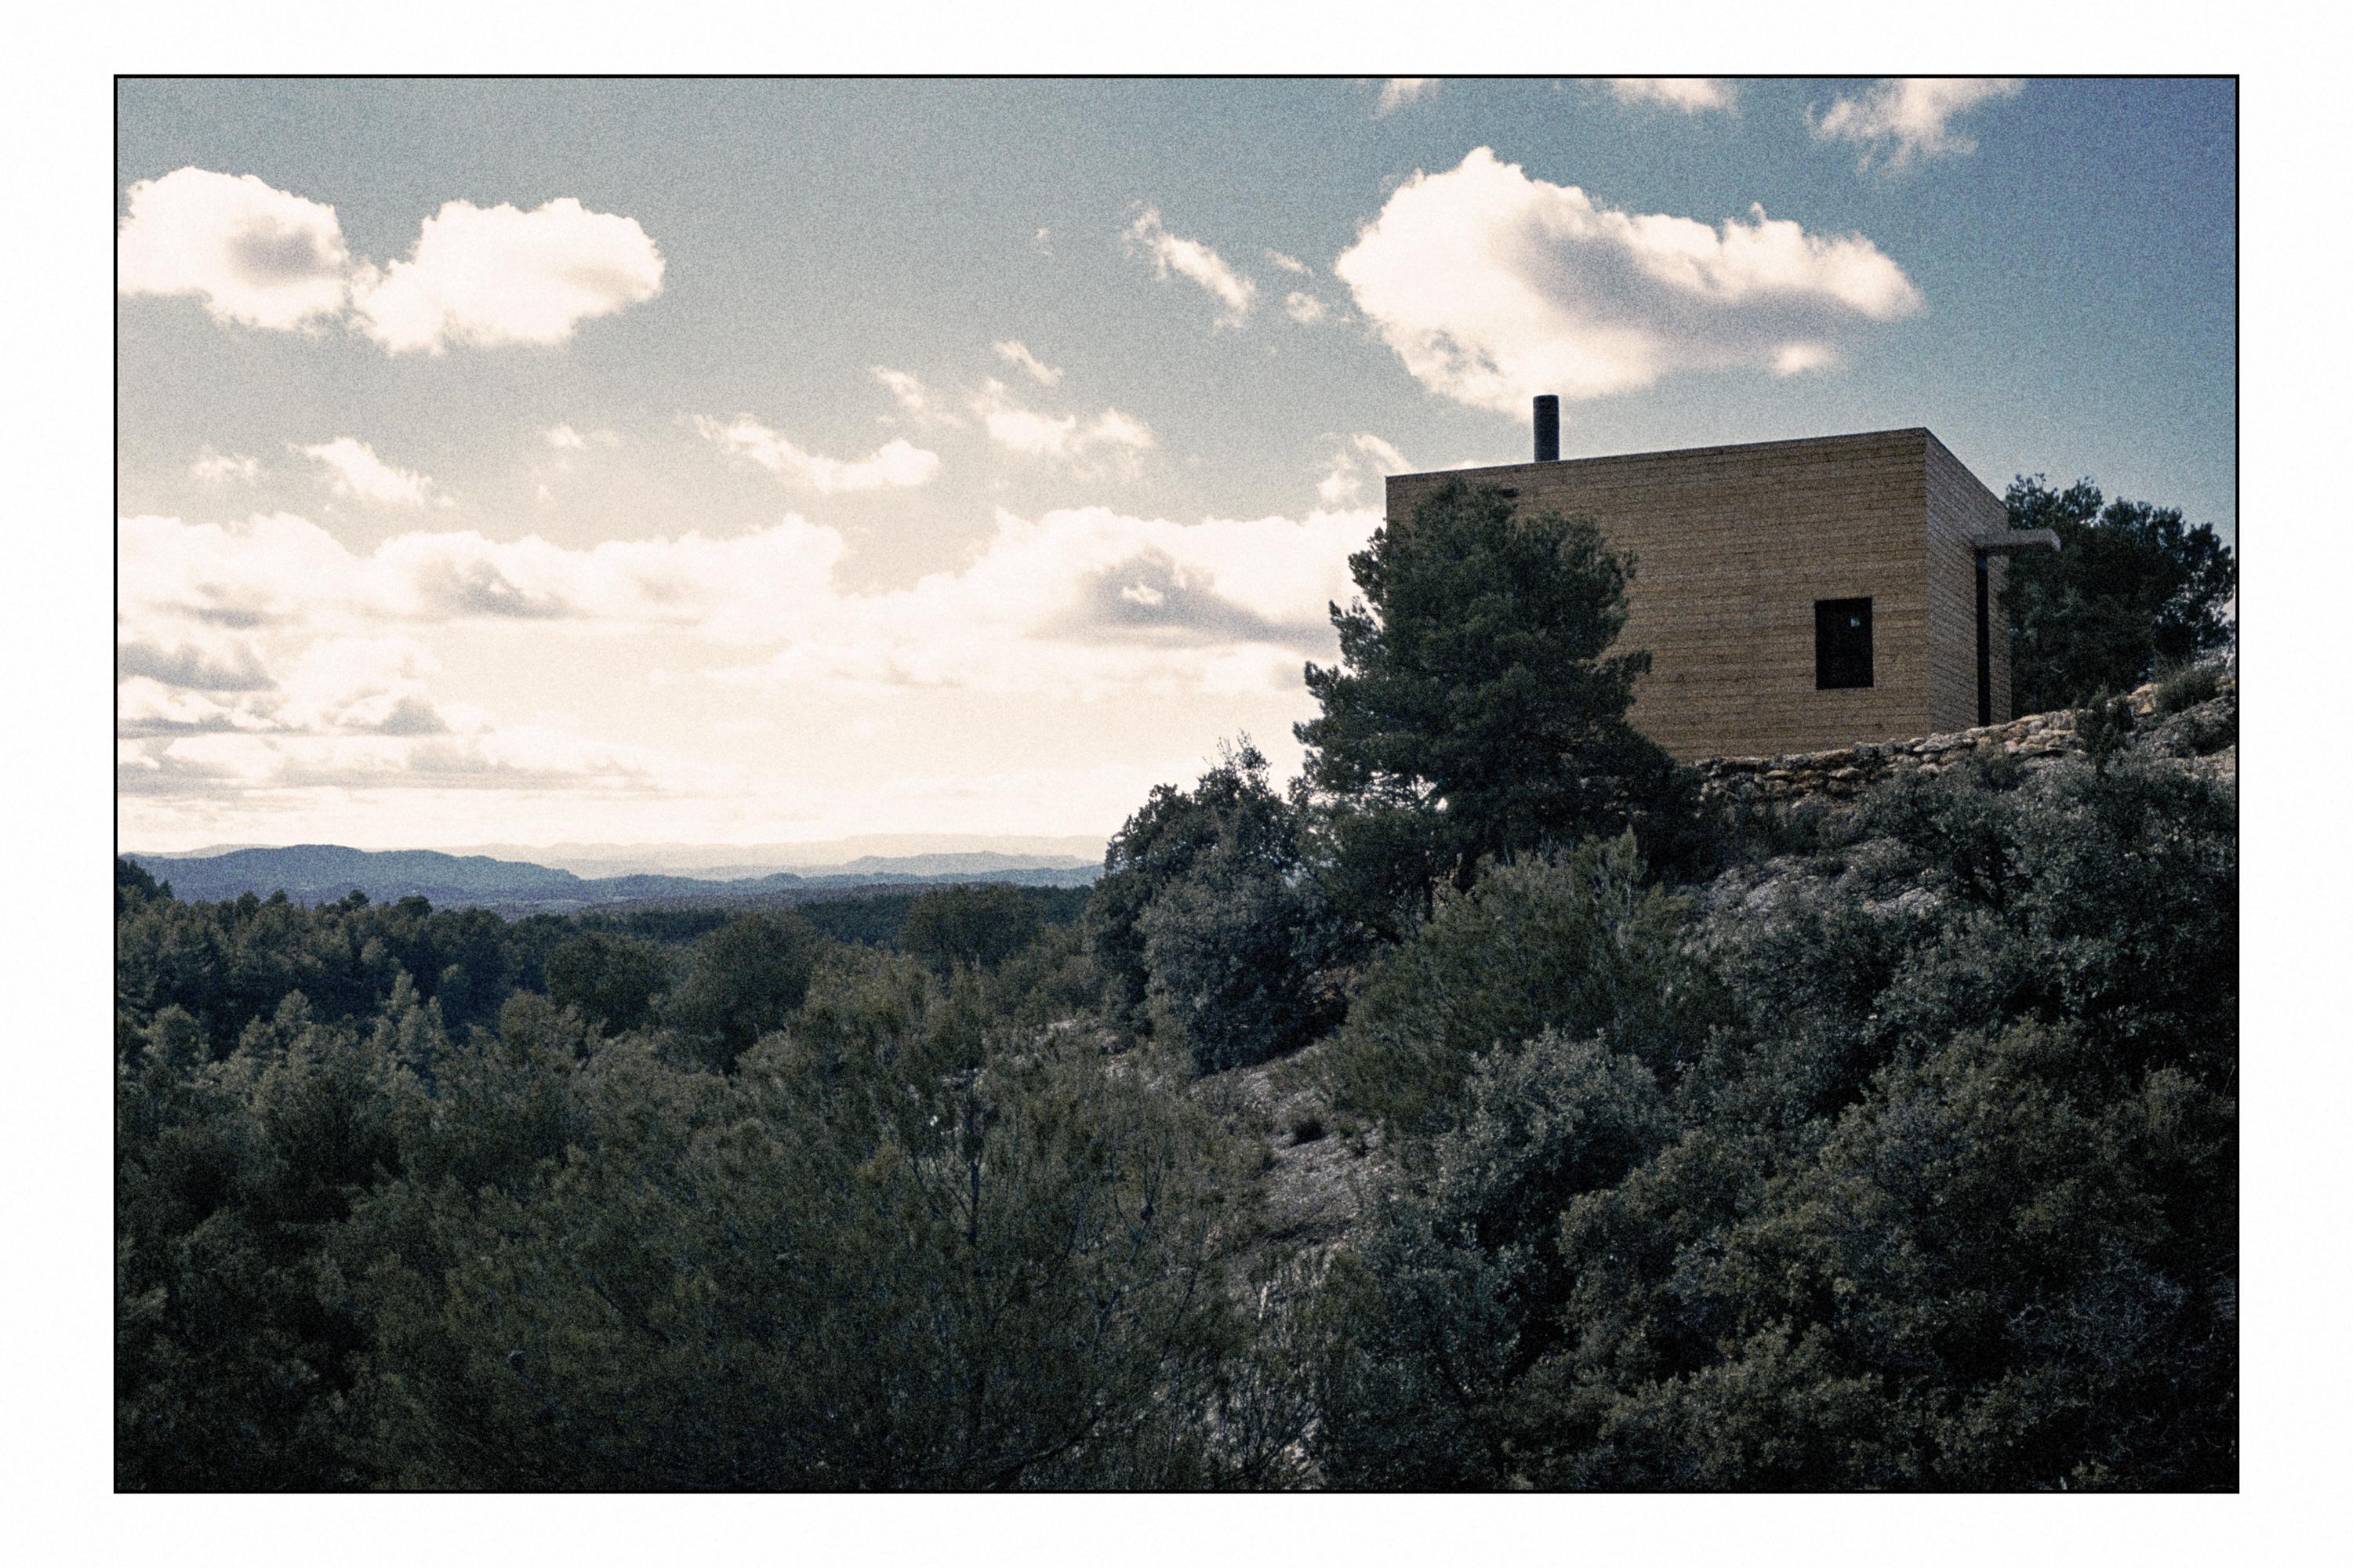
(1680, 452)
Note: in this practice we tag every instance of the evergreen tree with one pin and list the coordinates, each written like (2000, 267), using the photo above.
(2132, 592)
(1478, 710)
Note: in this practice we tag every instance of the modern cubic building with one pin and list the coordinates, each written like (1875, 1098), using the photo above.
(1794, 596)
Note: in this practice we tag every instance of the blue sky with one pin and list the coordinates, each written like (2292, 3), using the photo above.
(711, 462)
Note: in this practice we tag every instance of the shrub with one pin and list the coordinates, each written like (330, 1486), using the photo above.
(2187, 688)
(1577, 943)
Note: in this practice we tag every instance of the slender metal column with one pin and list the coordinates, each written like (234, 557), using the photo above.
(1985, 643)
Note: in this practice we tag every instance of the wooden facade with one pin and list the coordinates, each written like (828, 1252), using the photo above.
(1734, 548)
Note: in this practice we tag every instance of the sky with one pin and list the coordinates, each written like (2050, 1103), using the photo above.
(528, 462)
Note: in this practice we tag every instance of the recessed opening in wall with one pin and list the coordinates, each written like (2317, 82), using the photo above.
(1842, 644)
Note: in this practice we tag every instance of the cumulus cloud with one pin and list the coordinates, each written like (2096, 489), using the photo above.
(191, 667)
(565, 439)
(1399, 90)
(1691, 94)
(1195, 261)
(488, 275)
(1492, 286)
(356, 473)
(1153, 598)
(342, 713)
(899, 464)
(1904, 120)
(252, 253)
(266, 258)
(1362, 457)
(1079, 600)
(1087, 603)
(1065, 437)
(917, 399)
(213, 468)
(1288, 263)
(1013, 352)
(1304, 307)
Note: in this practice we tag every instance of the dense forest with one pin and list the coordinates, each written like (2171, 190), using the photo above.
(1888, 1146)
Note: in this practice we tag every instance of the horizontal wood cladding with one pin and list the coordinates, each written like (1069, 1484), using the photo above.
(1961, 510)
(1732, 547)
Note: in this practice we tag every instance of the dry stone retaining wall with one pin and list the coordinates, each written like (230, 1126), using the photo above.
(1833, 776)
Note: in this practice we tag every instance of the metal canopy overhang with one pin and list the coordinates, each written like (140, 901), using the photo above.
(2022, 542)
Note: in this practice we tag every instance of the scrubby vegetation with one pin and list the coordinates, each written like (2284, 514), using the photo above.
(1893, 1147)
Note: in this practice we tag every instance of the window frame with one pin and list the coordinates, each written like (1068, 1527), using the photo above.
(1835, 665)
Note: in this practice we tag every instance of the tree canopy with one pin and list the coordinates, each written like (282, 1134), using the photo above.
(2133, 590)
(1478, 710)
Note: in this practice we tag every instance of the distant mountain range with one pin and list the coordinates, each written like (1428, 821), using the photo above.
(322, 873)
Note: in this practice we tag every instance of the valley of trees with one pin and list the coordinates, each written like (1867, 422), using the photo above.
(1889, 1148)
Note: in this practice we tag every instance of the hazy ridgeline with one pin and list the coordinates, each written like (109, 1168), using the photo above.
(1893, 1149)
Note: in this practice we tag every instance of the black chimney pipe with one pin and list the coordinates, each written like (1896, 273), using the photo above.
(1548, 428)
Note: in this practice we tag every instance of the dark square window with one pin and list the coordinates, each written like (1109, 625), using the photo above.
(1842, 644)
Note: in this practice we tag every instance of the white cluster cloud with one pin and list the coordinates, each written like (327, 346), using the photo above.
(213, 468)
(1905, 119)
(565, 438)
(1065, 437)
(1195, 261)
(899, 464)
(1362, 457)
(488, 275)
(266, 258)
(914, 396)
(1015, 353)
(1289, 263)
(356, 473)
(252, 253)
(1492, 286)
(1399, 90)
(1304, 307)
(1691, 94)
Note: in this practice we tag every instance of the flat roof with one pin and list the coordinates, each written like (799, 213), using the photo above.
(1682, 452)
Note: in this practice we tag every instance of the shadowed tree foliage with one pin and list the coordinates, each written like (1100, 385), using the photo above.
(1477, 711)
(1946, 1200)
(977, 926)
(1207, 918)
(1906, 1158)
(614, 980)
(2132, 592)
(743, 981)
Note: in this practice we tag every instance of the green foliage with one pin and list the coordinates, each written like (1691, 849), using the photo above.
(919, 1238)
(1457, 1292)
(1578, 944)
(1905, 1159)
(975, 925)
(612, 980)
(1477, 711)
(743, 981)
(897, 1247)
(2185, 687)
(2105, 727)
(1947, 1201)
(1205, 917)
(2132, 588)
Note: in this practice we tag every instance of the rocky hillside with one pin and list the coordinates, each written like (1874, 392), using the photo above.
(1319, 1165)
